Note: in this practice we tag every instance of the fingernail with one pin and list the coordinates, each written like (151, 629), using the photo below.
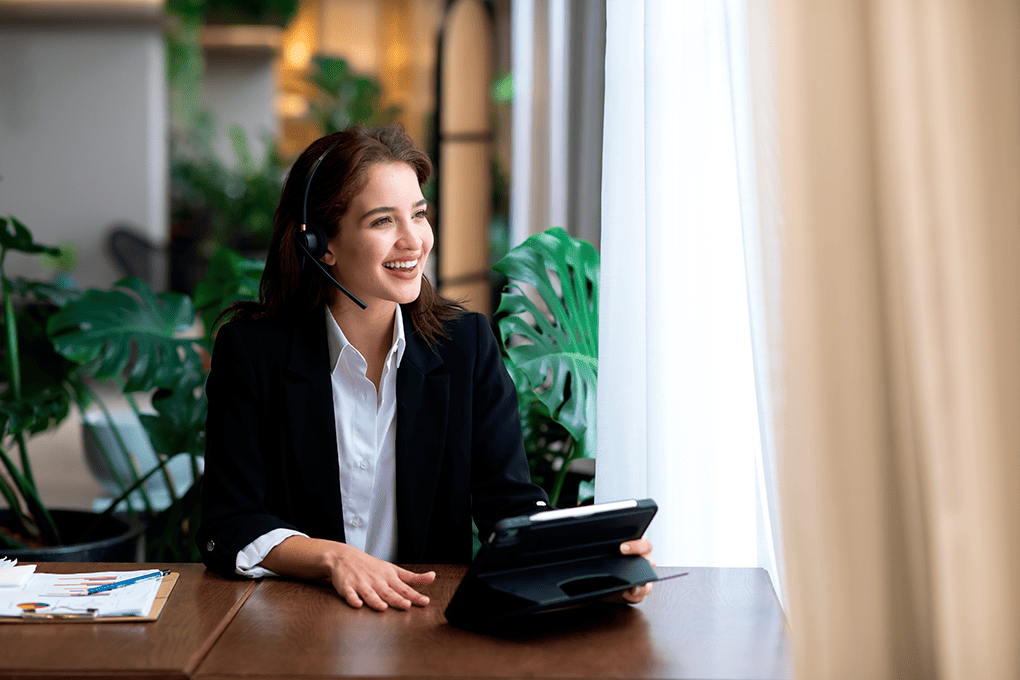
(625, 548)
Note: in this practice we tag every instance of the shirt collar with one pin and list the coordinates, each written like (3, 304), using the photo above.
(337, 342)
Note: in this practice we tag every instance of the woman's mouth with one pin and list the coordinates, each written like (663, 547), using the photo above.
(404, 265)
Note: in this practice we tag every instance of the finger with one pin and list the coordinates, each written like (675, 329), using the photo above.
(373, 600)
(636, 594)
(639, 546)
(415, 578)
(393, 598)
(410, 593)
(351, 595)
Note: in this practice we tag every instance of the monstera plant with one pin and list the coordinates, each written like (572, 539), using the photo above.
(549, 322)
(61, 345)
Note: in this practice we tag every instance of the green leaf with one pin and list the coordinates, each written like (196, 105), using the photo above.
(129, 332)
(231, 278)
(21, 240)
(46, 377)
(555, 347)
(179, 424)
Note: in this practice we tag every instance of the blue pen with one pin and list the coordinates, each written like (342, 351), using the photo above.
(126, 582)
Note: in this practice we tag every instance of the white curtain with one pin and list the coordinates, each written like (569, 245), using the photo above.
(688, 271)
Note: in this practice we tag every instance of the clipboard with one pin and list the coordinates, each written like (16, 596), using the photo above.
(162, 595)
(551, 561)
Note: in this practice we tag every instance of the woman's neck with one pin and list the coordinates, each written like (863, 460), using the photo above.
(369, 330)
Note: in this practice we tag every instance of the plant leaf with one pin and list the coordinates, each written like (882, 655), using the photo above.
(555, 349)
(179, 424)
(20, 239)
(129, 332)
(231, 278)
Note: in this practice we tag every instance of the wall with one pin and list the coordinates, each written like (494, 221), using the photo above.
(82, 127)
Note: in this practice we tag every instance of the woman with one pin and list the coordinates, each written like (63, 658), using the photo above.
(342, 439)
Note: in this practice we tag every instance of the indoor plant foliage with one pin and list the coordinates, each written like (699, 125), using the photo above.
(62, 344)
(548, 320)
(344, 98)
(35, 395)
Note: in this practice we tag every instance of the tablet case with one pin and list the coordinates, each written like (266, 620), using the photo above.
(535, 564)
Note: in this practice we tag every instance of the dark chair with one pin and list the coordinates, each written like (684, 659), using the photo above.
(134, 254)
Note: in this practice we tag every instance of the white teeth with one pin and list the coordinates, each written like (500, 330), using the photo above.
(401, 265)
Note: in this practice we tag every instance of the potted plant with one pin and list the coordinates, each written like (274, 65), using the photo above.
(127, 336)
(37, 388)
(548, 318)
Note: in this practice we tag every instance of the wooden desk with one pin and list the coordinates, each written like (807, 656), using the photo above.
(199, 608)
(712, 623)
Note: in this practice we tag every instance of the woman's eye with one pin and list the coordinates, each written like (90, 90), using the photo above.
(381, 221)
(421, 214)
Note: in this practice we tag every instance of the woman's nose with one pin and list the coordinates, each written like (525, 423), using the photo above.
(409, 237)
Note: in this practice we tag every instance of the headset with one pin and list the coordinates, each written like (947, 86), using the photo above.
(311, 238)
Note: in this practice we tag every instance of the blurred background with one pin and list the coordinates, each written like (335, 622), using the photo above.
(141, 135)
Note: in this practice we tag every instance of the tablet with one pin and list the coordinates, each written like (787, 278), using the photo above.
(553, 559)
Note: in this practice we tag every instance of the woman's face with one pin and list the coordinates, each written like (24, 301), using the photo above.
(379, 252)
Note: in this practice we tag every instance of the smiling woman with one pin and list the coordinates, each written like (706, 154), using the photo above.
(339, 439)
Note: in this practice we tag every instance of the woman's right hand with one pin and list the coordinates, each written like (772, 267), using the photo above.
(363, 579)
(358, 577)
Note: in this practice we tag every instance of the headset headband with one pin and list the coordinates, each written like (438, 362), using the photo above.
(308, 182)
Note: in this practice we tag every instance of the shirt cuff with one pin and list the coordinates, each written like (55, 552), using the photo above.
(248, 559)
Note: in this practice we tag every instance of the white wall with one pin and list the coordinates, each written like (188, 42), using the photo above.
(83, 135)
(240, 88)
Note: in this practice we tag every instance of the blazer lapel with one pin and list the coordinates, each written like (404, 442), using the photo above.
(423, 388)
(310, 412)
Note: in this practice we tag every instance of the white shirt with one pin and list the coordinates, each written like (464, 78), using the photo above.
(366, 436)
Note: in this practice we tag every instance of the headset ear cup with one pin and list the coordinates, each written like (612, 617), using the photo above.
(313, 238)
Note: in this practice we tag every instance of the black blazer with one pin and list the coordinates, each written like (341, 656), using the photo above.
(271, 451)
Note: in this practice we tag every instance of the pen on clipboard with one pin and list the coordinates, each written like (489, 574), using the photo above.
(126, 582)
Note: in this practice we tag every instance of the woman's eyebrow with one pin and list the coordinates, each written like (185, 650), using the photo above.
(381, 209)
(388, 209)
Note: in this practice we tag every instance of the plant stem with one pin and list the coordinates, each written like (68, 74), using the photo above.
(574, 450)
(15, 505)
(136, 486)
(123, 448)
(162, 460)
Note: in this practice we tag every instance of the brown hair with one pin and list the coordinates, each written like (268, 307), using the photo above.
(286, 291)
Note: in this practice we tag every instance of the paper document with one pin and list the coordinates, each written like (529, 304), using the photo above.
(13, 576)
(66, 594)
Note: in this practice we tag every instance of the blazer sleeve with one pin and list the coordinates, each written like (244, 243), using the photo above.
(235, 478)
(501, 484)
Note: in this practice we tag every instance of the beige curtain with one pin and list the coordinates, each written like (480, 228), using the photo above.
(900, 162)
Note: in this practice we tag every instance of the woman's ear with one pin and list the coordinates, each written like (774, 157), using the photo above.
(328, 259)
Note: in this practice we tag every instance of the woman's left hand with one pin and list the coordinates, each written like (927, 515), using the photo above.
(642, 547)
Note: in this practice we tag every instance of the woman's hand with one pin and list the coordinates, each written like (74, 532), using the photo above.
(358, 577)
(642, 547)
(363, 579)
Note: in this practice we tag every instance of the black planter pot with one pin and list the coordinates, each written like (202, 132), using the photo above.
(119, 539)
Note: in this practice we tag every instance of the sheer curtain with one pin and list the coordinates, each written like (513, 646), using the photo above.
(688, 272)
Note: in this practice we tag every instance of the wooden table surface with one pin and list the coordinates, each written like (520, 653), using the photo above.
(712, 623)
(198, 609)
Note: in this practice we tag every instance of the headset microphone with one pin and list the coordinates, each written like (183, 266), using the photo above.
(311, 239)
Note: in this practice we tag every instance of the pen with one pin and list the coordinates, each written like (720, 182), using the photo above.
(126, 582)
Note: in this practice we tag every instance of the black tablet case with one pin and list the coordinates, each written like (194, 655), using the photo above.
(526, 566)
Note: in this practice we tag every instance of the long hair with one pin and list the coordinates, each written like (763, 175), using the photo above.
(287, 293)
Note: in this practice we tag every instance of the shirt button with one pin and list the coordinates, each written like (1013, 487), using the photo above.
(363, 464)
(210, 546)
(356, 522)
